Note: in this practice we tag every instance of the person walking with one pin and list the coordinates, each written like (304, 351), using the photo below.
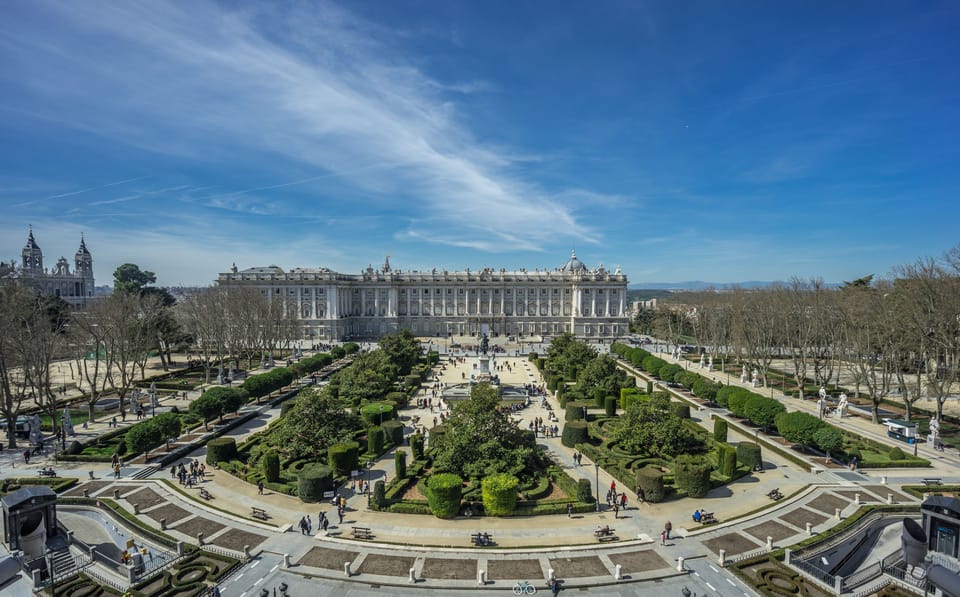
(569, 510)
(667, 528)
(616, 510)
(663, 538)
(340, 513)
(259, 487)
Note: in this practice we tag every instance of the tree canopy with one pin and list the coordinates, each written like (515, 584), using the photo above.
(316, 421)
(651, 427)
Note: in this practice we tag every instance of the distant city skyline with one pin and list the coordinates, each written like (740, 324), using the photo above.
(718, 142)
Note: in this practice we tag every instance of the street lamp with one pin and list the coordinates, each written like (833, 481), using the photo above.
(367, 484)
(381, 415)
(596, 466)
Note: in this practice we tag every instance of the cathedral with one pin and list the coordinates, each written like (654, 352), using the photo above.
(75, 287)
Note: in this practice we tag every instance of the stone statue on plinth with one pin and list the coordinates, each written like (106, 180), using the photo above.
(743, 374)
(755, 378)
(933, 438)
(842, 406)
(703, 360)
(484, 344)
(66, 423)
(710, 363)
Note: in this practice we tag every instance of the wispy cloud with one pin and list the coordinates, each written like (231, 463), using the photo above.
(315, 85)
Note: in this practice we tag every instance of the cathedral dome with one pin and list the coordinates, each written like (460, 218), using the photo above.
(573, 264)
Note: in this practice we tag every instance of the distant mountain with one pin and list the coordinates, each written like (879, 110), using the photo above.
(700, 285)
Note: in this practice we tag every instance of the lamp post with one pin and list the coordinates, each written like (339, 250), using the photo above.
(381, 415)
(596, 466)
(367, 484)
(53, 583)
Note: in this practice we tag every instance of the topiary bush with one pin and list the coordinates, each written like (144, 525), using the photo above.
(574, 432)
(736, 402)
(375, 440)
(610, 406)
(897, 454)
(416, 446)
(584, 491)
(271, 467)
(400, 463)
(692, 474)
(762, 411)
(499, 494)
(748, 454)
(719, 429)
(379, 495)
(680, 409)
(221, 449)
(574, 411)
(443, 494)
(394, 432)
(313, 480)
(371, 412)
(343, 458)
(798, 427)
(74, 447)
(650, 481)
(726, 459)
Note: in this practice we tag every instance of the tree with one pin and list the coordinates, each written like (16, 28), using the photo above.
(208, 407)
(317, 420)
(480, 439)
(402, 349)
(829, 439)
(762, 411)
(602, 374)
(798, 427)
(651, 427)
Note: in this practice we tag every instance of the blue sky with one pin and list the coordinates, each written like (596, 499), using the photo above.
(720, 141)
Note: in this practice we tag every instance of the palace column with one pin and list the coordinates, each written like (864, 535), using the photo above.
(593, 302)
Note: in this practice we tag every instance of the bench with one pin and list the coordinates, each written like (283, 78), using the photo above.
(46, 472)
(361, 533)
(775, 494)
(707, 518)
(205, 494)
(481, 539)
(259, 513)
(606, 538)
(932, 482)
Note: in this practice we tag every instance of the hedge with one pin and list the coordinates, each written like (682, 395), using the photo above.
(719, 429)
(798, 427)
(749, 455)
(680, 409)
(610, 406)
(371, 412)
(584, 491)
(265, 383)
(692, 474)
(315, 363)
(574, 432)
(149, 434)
(379, 494)
(499, 494)
(400, 463)
(343, 458)
(394, 432)
(221, 449)
(375, 440)
(762, 411)
(726, 459)
(313, 480)
(271, 467)
(574, 411)
(650, 482)
(736, 402)
(416, 446)
(443, 494)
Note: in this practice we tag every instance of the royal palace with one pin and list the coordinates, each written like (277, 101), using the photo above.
(590, 303)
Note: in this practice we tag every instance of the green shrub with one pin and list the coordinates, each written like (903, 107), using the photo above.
(121, 448)
(371, 412)
(443, 494)
(394, 432)
(337, 352)
(416, 446)
(650, 481)
(737, 401)
(649, 387)
(499, 494)
(574, 432)
(762, 411)
(748, 454)
(379, 495)
(400, 463)
(375, 440)
(286, 407)
(719, 429)
(221, 449)
(265, 383)
(687, 379)
(829, 439)
(724, 393)
(680, 409)
(610, 406)
(74, 447)
(313, 480)
(669, 371)
(343, 458)
(897, 454)
(574, 411)
(350, 347)
(798, 427)
(705, 389)
(692, 474)
(584, 491)
(271, 467)
(726, 459)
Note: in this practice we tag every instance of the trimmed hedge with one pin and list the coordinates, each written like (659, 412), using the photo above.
(416, 446)
(221, 449)
(762, 411)
(343, 458)
(692, 474)
(149, 434)
(574, 411)
(726, 459)
(719, 429)
(265, 383)
(749, 455)
(499, 494)
(610, 406)
(379, 495)
(394, 432)
(371, 412)
(313, 480)
(574, 432)
(443, 494)
(375, 440)
(680, 409)
(400, 463)
(585, 491)
(650, 481)
(271, 467)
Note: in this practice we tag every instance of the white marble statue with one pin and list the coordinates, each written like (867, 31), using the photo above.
(710, 363)
(66, 423)
(822, 393)
(933, 438)
(703, 360)
(821, 406)
(755, 378)
(743, 374)
(842, 406)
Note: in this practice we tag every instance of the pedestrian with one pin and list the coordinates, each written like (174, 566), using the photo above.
(613, 485)
(309, 525)
(340, 514)
(569, 510)
(623, 500)
(326, 522)
(663, 537)
(554, 587)
(116, 470)
(667, 528)
(616, 510)
(641, 497)
(26, 456)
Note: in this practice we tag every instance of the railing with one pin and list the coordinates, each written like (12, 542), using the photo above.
(814, 572)
(160, 568)
(856, 579)
(747, 555)
(230, 553)
(874, 588)
(947, 562)
(899, 572)
(866, 520)
(104, 579)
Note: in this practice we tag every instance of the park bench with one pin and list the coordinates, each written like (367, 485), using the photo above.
(361, 533)
(707, 518)
(259, 513)
(775, 494)
(605, 534)
(933, 481)
(205, 494)
(481, 539)
(46, 472)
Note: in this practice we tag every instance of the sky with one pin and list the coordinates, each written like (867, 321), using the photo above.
(718, 141)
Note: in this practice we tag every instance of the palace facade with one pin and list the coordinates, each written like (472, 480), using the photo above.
(75, 287)
(590, 303)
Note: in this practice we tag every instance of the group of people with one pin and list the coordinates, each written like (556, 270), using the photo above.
(197, 472)
(538, 427)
